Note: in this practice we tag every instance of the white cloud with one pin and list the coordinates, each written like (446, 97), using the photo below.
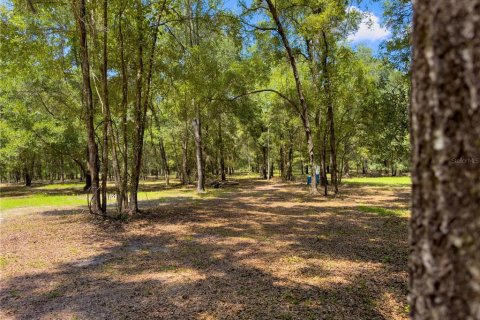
(369, 29)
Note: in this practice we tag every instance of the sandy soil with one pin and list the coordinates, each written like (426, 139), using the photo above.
(258, 251)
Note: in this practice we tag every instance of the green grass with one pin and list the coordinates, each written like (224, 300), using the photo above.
(60, 186)
(42, 200)
(45, 200)
(3, 262)
(380, 181)
(383, 211)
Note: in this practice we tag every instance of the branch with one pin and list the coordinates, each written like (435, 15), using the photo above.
(268, 90)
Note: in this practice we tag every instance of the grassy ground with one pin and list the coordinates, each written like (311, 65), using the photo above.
(71, 194)
(262, 250)
(380, 181)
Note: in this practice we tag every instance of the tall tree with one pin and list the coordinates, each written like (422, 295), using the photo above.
(301, 95)
(81, 17)
(445, 131)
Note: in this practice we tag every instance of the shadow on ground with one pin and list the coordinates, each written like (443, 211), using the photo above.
(259, 251)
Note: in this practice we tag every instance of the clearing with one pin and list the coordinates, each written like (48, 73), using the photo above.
(261, 250)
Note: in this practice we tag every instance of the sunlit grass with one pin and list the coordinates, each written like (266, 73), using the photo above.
(44, 200)
(60, 186)
(380, 181)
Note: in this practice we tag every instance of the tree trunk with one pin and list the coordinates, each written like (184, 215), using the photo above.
(264, 164)
(138, 115)
(197, 130)
(330, 117)
(81, 17)
(62, 169)
(283, 162)
(166, 168)
(290, 159)
(220, 145)
(106, 108)
(445, 132)
(185, 177)
(122, 198)
(298, 83)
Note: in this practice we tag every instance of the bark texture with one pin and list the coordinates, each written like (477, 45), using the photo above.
(301, 96)
(81, 17)
(197, 130)
(445, 130)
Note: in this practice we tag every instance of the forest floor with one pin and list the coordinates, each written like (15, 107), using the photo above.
(261, 250)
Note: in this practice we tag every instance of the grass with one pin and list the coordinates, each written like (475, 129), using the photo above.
(42, 200)
(58, 186)
(46, 200)
(383, 211)
(380, 181)
(3, 262)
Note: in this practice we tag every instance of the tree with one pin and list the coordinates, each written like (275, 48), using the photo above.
(81, 17)
(303, 110)
(445, 117)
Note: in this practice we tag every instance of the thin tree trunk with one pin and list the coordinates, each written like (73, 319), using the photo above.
(264, 165)
(220, 145)
(298, 83)
(330, 116)
(197, 130)
(122, 198)
(62, 169)
(81, 17)
(106, 108)
(166, 168)
(290, 158)
(445, 132)
(185, 176)
(138, 116)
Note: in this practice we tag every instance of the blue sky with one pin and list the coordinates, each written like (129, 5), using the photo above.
(370, 32)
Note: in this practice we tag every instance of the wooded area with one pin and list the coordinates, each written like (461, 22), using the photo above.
(129, 90)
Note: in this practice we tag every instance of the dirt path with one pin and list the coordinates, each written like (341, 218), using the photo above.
(259, 251)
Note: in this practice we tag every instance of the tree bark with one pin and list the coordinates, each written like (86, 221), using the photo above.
(166, 168)
(122, 198)
(298, 83)
(106, 108)
(81, 17)
(323, 156)
(185, 176)
(330, 116)
(220, 145)
(138, 115)
(264, 164)
(197, 130)
(445, 116)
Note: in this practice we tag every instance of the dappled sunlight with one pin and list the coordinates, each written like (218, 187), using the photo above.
(252, 250)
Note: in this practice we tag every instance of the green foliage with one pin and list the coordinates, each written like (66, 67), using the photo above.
(206, 60)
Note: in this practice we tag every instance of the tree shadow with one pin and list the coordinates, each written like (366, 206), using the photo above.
(248, 254)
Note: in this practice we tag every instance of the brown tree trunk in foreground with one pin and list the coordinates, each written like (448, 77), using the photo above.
(80, 14)
(445, 131)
